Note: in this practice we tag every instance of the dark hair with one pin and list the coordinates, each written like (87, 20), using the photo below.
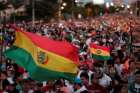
(4, 72)
(59, 82)
(131, 61)
(98, 64)
(80, 84)
(120, 55)
(92, 76)
(137, 72)
(84, 74)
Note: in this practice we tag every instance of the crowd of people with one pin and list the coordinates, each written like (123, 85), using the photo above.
(120, 74)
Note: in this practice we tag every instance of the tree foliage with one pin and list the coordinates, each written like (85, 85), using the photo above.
(3, 5)
(43, 8)
(16, 3)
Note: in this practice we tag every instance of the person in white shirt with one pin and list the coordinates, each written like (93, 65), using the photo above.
(119, 67)
(85, 68)
(105, 80)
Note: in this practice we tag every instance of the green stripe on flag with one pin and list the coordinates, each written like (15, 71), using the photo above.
(98, 57)
(25, 60)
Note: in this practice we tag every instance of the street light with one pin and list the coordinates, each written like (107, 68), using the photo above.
(64, 4)
(98, 2)
(79, 16)
(131, 12)
(62, 7)
(117, 9)
(107, 5)
(76, 1)
(122, 6)
(128, 6)
(112, 4)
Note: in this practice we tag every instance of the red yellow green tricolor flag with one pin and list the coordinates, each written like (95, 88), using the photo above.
(43, 58)
(100, 52)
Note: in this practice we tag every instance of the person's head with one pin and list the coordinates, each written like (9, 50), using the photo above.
(85, 67)
(117, 60)
(98, 69)
(120, 54)
(98, 64)
(124, 89)
(3, 75)
(99, 72)
(9, 73)
(50, 83)
(84, 78)
(94, 79)
(58, 84)
(19, 78)
(132, 65)
(77, 84)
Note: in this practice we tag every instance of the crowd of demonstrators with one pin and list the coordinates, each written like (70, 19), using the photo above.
(120, 74)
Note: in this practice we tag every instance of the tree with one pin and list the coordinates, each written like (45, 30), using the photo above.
(43, 8)
(89, 7)
(71, 8)
(16, 4)
(3, 7)
(94, 10)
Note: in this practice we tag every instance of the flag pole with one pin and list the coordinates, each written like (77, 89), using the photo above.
(59, 10)
(33, 13)
(1, 46)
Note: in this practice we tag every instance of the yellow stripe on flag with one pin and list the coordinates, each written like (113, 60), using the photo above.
(55, 62)
(99, 52)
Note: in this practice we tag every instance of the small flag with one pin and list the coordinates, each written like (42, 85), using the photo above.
(100, 52)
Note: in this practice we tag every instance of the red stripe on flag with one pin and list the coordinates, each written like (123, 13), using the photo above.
(100, 47)
(61, 48)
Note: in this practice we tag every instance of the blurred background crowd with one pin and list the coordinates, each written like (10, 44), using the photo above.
(120, 74)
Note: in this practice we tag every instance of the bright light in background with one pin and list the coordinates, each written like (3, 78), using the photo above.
(76, 1)
(64, 4)
(128, 6)
(117, 9)
(62, 7)
(105, 1)
(98, 1)
(112, 4)
(122, 6)
(107, 5)
(131, 12)
(79, 16)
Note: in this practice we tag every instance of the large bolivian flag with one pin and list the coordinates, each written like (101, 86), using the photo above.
(100, 52)
(43, 58)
